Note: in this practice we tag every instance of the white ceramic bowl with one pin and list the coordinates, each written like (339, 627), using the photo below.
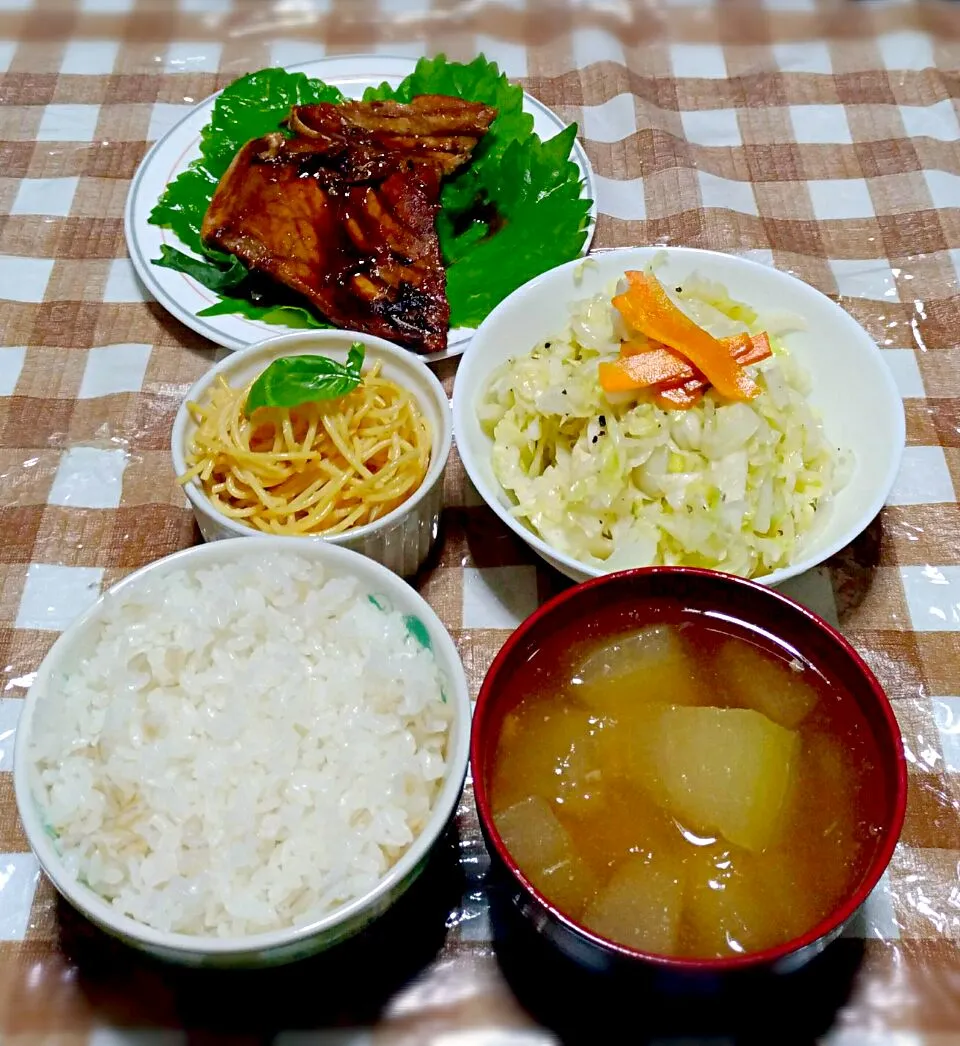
(852, 387)
(283, 945)
(402, 539)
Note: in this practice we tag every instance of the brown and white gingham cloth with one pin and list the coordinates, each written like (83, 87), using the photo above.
(823, 140)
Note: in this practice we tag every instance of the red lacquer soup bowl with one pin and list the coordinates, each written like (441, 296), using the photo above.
(619, 602)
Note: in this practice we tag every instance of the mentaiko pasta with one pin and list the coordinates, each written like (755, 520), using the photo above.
(318, 468)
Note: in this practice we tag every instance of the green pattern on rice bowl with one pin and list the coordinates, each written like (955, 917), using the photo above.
(241, 748)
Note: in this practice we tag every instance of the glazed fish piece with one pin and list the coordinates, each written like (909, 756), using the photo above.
(344, 223)
(432, 129)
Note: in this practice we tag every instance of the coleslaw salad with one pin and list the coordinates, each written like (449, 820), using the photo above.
(615, 481)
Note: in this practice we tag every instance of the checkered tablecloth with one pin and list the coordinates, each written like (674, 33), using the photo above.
(823, 140)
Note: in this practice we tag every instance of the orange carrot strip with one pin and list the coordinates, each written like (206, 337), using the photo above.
(676, 399)
(647, 308)
(657, 367)
(633, 347)
(642, 366)
(737, 345)
(746, 349)
(613, 378)
(758, 349)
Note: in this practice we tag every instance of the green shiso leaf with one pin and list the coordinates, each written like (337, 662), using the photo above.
(513, 212)
(184, 203)
(253, 106)
(534, 189)
(214, 277)
(299, 317)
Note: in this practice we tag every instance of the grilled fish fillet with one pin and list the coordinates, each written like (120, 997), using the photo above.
(344, 213)
(352, 233)
(432, 129)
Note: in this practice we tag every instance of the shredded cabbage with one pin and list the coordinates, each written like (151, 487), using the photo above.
(615, 481)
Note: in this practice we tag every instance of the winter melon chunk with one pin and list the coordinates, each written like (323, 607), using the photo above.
(542, 848)
(725, 770)
(739, 902)
(754, 680)
(653, 664)
(533, 835)
(549, 749)
(641, 904)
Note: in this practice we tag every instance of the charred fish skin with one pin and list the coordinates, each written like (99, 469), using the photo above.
(432, 130)
(344, 212)
(360, 247)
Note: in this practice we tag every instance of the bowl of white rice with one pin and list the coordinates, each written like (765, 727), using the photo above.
(244, 752)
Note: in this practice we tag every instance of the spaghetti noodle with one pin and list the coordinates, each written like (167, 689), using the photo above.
(317, 468)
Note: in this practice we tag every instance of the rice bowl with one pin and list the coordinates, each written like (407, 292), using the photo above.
(243, 752)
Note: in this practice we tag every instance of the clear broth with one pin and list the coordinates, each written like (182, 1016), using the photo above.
(656, 821)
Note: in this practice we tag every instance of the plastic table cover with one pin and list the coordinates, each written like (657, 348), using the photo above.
(820, 139)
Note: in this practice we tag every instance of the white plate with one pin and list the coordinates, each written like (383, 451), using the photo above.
(851, 384)
(183, 296)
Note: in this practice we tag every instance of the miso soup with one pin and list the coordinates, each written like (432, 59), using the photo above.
(688, 788)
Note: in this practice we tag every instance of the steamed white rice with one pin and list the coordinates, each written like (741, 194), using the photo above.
(243, 748)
